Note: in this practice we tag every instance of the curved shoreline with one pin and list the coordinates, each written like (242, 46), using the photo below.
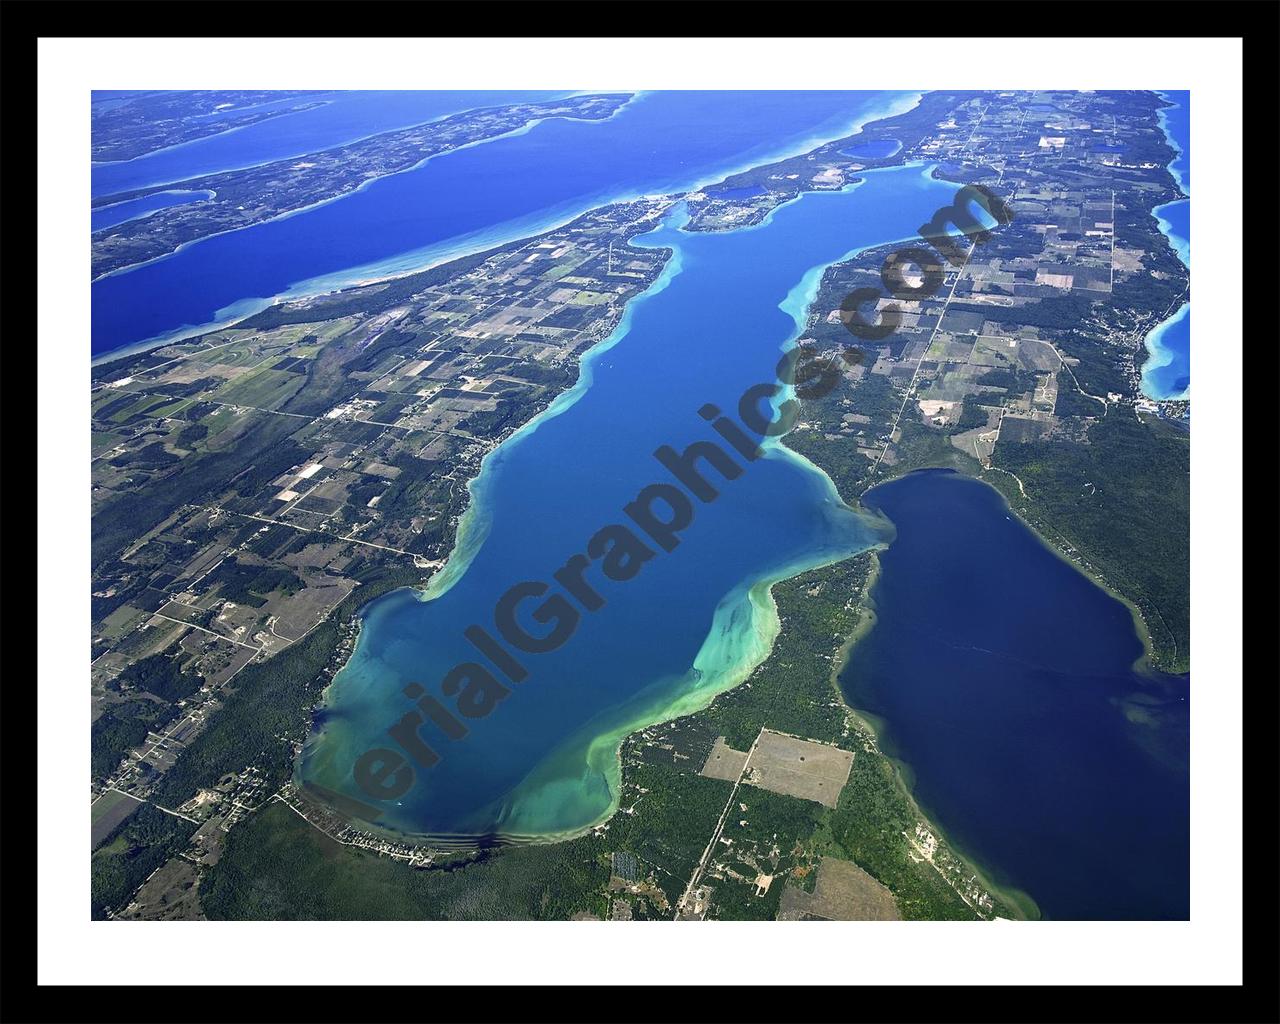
(1158, 356)
(472, 526)
(799, 300)
(304, 107)
(204, 194)
(1163, 121)
(748, 618)
(555, 96)
(427, 258)
(880, 726)
(1182, 246)
(750, 605)
(1144, 664)
(289, 293)
(904, 778)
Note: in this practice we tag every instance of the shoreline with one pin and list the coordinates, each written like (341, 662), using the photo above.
(1018, 900)
(1158, 356)
(472, 529)
(602, 751)
(524, 129)
(1163, 121)
(395, 267)
(1142, 667)
(554, 97)
(302, 108)
(1145, 664)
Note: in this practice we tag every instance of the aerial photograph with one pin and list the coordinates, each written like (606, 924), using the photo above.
(606, 505)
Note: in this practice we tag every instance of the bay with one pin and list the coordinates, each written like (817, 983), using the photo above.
(696, 619)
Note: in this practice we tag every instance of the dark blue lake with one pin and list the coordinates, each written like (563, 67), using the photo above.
(1004, 679)
(119, 213)
(471, 199)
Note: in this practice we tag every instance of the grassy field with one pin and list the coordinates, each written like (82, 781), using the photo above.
(140, 845)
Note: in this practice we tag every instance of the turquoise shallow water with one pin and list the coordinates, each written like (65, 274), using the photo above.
(693, 620)
(875, 149)
(1167, 372)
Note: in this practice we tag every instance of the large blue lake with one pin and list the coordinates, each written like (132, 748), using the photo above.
(468, 200)
(1003, 676)
(688, 625)
(1004, 679)
(1167, 372)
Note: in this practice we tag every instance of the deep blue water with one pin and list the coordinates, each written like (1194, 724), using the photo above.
(744, 192)
(702, 336)
(469, 199)
(1004, 680)
(344, 117)
(1167, 372)
(118, 213)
